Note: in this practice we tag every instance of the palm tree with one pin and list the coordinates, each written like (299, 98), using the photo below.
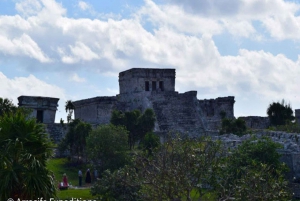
(6, 106)
(25, 148)
(69, 108)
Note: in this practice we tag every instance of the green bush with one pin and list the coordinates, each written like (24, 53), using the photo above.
(289, 128)
(280, 113)
(107, 147)
(150, 142)
(122, 184)
(234, 126)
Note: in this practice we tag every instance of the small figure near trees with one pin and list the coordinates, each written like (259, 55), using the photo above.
(88, 178)
(79, 178)
(64, 184)
(95, 175)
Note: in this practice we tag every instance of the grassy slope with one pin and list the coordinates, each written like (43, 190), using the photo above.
(74, 193)
(59, 166)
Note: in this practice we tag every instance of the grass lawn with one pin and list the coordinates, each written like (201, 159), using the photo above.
(75, 193)
(61, 165)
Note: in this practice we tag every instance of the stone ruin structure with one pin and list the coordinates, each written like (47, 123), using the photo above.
(142, 88)
(44, 110)
(297, 116)
(256, 122)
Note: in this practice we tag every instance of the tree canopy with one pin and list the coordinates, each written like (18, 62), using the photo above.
(107, 146)
(75, 139)
(234, 126)
(6, 106)
(280, 113)
(181, 166)
(136, 123)
(25, 149)
(253, 171)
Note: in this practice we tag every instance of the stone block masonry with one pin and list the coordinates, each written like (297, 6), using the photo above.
(297, 116)
(95, 110)
(212, 109)
(43, 108)
(256, 122)
(56, 131)
(145, 79)
(142, 88)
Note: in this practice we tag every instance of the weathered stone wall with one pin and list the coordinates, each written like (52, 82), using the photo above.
(179, 113)
(212, 109)
(297, 115)
(133, 80)
(95, 110)
(256, 122)
(56, 131)
(174, 111)
(47, 107)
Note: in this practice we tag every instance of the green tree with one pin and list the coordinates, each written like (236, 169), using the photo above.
(179, 166)
(280, 113)
(253, 172)
(234, 126)
(123, 184)
(150, 142)
(70, 109)
(136, 123)
(6, 106)
(25, 149)
(146, 122)
(75, 139)
(107, 146)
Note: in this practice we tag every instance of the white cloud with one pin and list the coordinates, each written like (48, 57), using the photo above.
(28, 7)
(180, 39)
(30, 86)
(83, 5)
(76, 78)
(22, 46)
(175, 17)
(279, 17)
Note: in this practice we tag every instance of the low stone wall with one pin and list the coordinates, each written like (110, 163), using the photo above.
(56, 131)
(256, 122)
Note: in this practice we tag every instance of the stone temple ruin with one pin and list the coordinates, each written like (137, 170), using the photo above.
(44, 110)
(142, 88)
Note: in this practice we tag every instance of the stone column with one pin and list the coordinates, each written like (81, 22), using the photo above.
(297, 115)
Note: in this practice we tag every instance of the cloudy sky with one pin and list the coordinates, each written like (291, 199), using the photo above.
(72, 49)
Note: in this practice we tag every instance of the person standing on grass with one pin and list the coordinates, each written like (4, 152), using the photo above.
(80, 177)
(88, 178)
(95, 175)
